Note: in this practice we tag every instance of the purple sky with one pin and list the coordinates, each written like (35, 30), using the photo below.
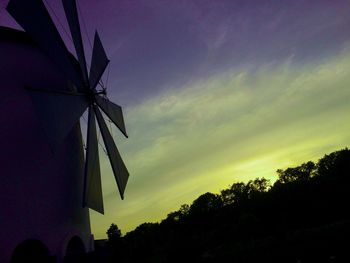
(157, 45)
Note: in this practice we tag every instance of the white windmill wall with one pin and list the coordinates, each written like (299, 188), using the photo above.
(40, 191)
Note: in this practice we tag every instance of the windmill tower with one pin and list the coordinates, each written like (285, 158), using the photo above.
(46, 186)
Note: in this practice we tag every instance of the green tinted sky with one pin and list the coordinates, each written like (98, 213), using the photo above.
(233, 126)
(216, 92)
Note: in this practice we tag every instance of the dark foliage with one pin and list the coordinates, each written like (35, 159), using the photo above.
(113, 233)
(302, 217)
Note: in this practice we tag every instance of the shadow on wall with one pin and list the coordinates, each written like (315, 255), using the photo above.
(32, 250)
(75, 251)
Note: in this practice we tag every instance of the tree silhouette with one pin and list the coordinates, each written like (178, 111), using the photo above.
(260, 184)
(234, 194)
(335, 164)
(302, 172)
(184, 210)
(205, 203)
(114, 234)
(302, 217)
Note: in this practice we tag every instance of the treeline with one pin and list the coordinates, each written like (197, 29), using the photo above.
(302, 217)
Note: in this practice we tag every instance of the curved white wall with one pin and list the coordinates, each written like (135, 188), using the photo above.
(40, 191)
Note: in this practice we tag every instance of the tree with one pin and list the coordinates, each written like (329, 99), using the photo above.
(113, 233)
(184, 210)
(239, 192)
(145, 230)
(227, 197)
(235, 194)
(205, 203)
(254, 188)
(302, 172)
(259, 185)
(335, 163)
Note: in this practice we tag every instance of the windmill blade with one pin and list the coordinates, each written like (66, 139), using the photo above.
(99, 62)
(70, 8)
(92, 186)
(57, 113)
(113, 111)
(33, 17)
(120, 172)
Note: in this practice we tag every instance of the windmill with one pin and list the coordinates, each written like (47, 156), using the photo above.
(60, 109)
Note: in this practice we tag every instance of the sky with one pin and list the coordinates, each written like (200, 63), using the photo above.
(214, 92)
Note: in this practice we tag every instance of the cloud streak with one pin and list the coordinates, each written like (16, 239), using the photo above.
(233, 126)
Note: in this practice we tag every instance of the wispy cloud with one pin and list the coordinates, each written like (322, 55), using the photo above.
(233, 126)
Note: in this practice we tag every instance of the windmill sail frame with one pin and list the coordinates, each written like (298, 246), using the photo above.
(66, 107)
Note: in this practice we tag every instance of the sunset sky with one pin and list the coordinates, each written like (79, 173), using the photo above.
(215, 92)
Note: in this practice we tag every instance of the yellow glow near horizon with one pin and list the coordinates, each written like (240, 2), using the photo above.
(231, 127)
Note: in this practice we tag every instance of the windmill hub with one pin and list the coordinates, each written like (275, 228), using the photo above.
(91, 95)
